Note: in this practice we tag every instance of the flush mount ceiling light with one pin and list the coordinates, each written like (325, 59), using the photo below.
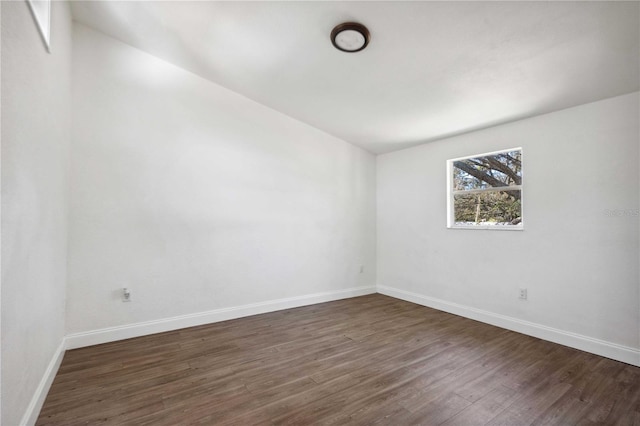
(350, 37)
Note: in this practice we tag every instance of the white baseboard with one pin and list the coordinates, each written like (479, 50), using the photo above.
(574, 340)
(111, 334)
(33, 409)
(105, 335)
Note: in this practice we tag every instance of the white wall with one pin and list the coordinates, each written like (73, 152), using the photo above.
(35, 149)
(197, 198)
(579, 264)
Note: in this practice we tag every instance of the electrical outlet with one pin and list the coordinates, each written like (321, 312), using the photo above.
(523, 293)
(126, 295)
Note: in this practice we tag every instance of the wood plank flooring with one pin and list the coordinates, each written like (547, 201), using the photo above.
(366, 360)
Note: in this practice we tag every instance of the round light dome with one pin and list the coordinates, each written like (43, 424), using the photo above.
(350, 37)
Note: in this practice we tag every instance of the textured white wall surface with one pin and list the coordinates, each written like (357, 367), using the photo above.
(35, 150)
(578, 253)
(197, 198)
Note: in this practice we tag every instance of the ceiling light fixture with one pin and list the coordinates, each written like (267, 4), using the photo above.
(350, 37)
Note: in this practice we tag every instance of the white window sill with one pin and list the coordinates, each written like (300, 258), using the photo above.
(489, 227)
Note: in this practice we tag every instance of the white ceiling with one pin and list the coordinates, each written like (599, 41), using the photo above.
(432, 69)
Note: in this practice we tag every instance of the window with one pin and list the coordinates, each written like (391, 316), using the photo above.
(41, 11)
(485, 191)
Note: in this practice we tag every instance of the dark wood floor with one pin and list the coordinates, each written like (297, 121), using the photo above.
(366, 360)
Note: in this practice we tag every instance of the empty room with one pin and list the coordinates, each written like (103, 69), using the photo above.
(300, 212)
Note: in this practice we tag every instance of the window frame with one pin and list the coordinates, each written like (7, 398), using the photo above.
(41, 12)
(451, 224)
